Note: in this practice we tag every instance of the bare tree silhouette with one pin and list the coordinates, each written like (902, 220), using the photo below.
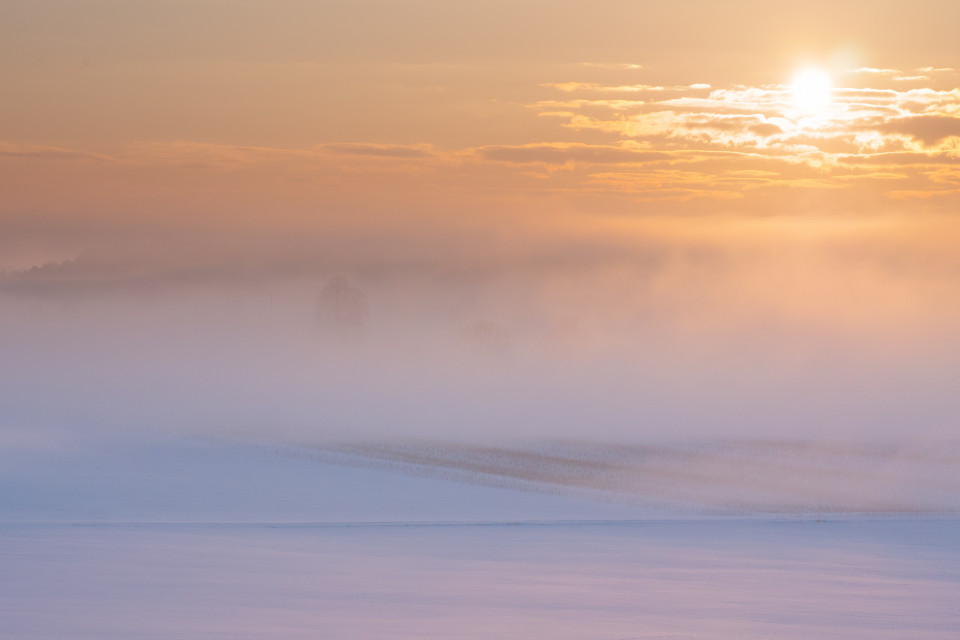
(485, 337)
(342, 309)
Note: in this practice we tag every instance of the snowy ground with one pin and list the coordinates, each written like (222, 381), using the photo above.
(206, 540)
(707, 579)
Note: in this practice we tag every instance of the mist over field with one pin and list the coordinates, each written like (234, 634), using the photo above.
(764, 372)
(631, 339)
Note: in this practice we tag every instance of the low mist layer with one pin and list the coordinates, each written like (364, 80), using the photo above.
(639, 338)
(722, 478)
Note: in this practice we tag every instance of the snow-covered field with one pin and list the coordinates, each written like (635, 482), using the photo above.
(212, 540)
(666, 579)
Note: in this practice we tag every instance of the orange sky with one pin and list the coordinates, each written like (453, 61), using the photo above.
(656, 154)
(301, 113)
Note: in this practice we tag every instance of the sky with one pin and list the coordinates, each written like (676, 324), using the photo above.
(610, 220)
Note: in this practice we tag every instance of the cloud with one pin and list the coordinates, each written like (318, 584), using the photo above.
(864, 124)
(563, 153)
(654, 142)
(612, 65)
(43, 152)
(765, 129)
(929, 129)
(876, 71)
(599, 88)
(229, 156)
(380, 150)
(900, 158)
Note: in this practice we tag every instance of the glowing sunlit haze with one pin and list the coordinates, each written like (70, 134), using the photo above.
(607, 221)
(485, 320)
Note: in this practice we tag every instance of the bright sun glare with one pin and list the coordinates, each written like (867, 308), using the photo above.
(811, 91)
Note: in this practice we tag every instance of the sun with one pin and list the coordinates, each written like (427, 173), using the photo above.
(811, 92)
